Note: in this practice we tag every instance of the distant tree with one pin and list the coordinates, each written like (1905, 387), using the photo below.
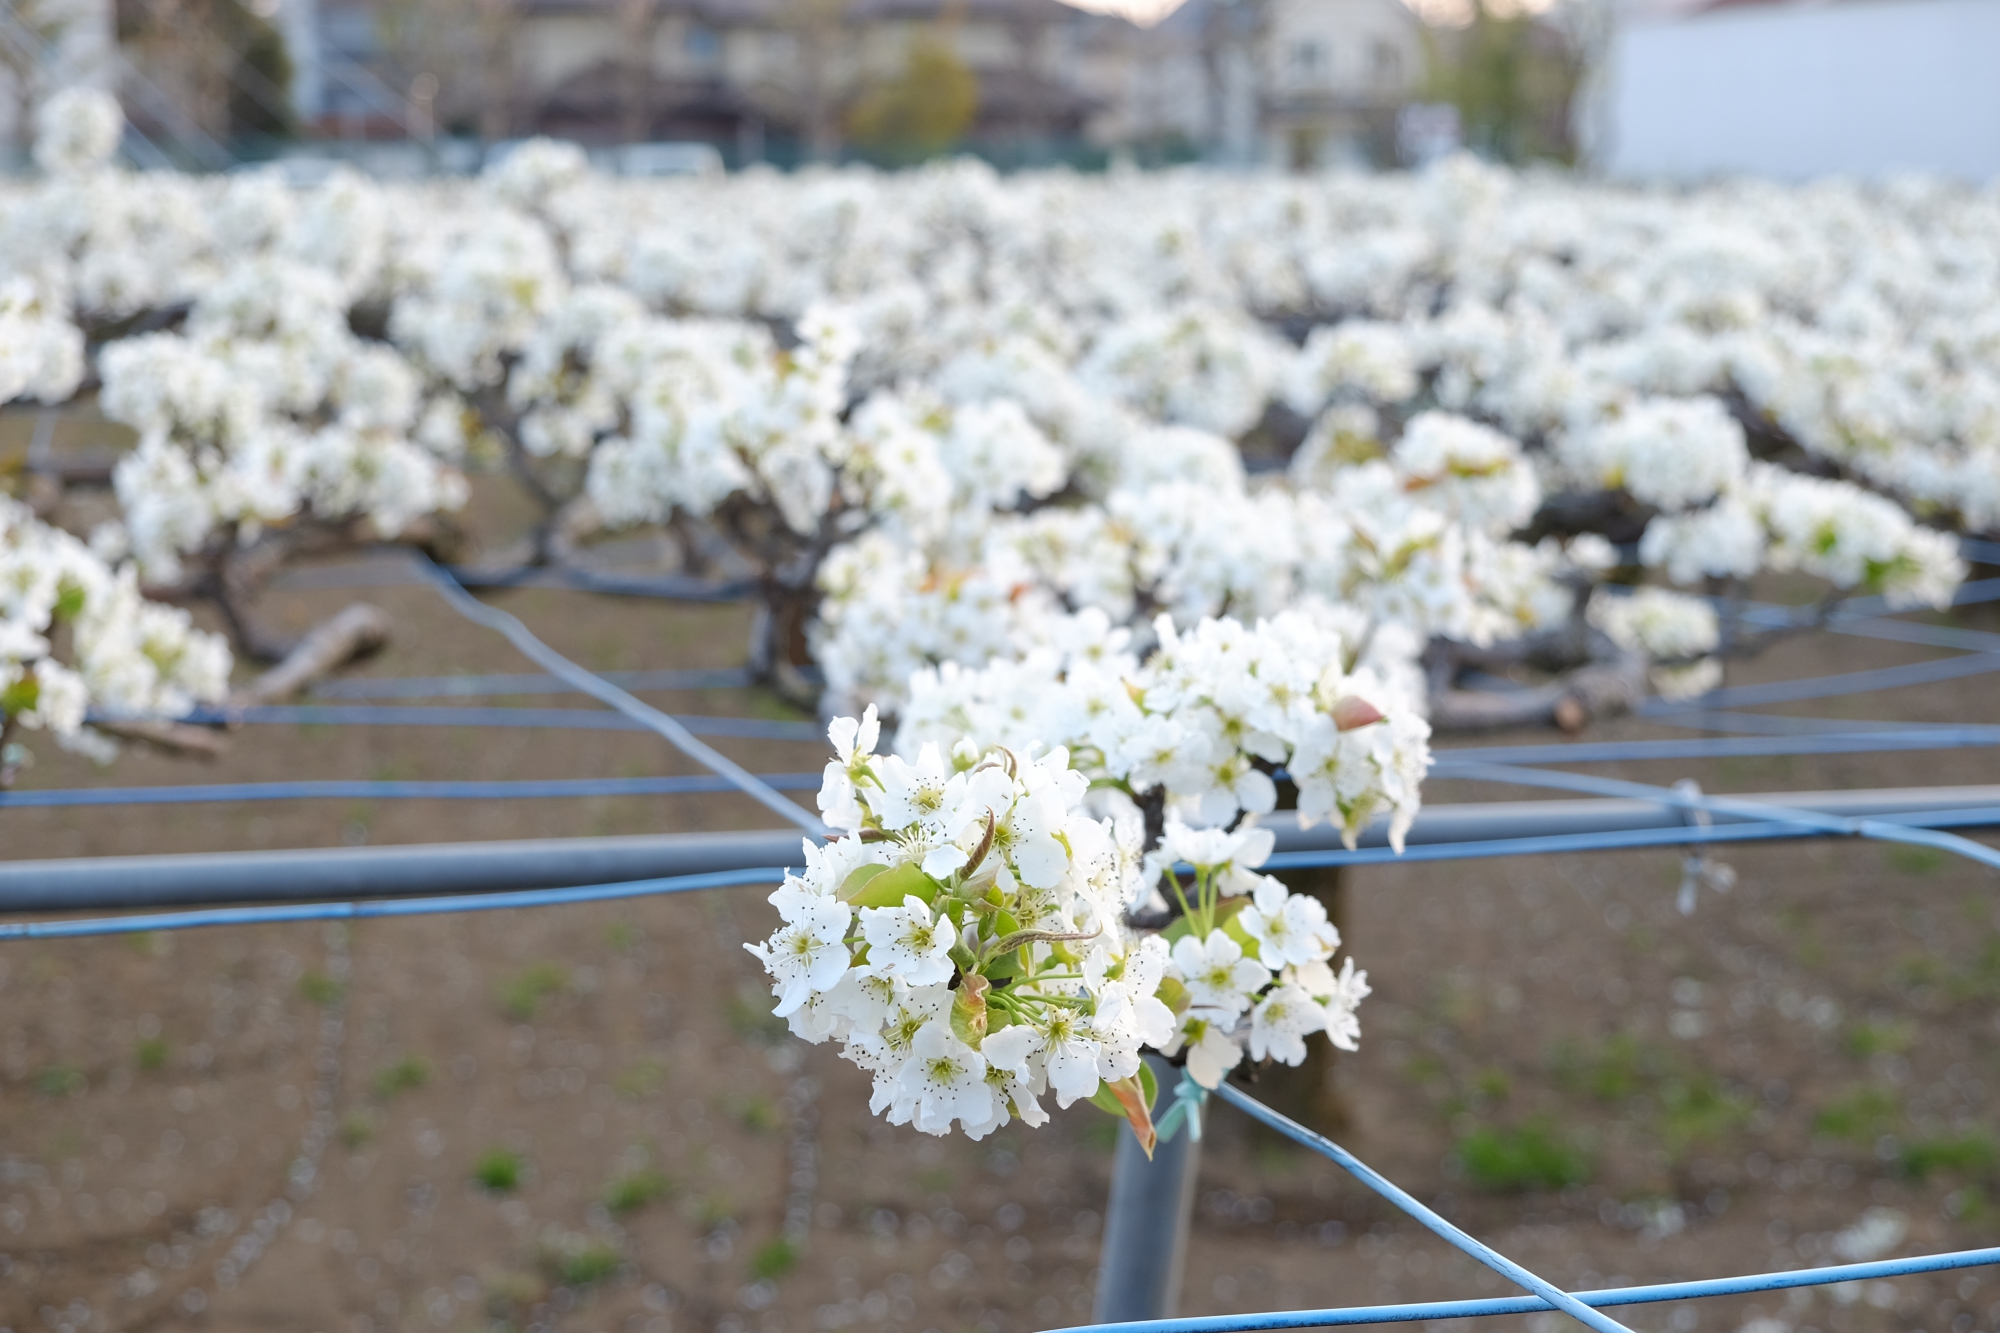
(922, 111)
(223, 64)
(1512, 76)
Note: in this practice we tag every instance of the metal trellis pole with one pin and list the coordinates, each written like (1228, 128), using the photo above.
(1146, 1221)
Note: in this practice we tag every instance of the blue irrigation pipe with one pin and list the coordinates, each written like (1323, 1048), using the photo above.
(1652, 1293)
(556, 719)
(546, 789)
(1551, 1295)
(548, 659)
(442, 687)
(397, 907)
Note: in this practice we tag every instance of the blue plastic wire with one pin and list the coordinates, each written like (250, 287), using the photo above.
(470, 902)
(392, 573)
(1715, 747)
(1610, 1296)
(1882, 829)
(441, 687)
(1551, 1295)
(551, 788)
(1848, 682)
(446, 715)
(1611, 841)
(1904, 631)
(673, 732)
(1695, 717)
(1448, 763)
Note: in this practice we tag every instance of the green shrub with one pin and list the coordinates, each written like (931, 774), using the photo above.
(499, 1170)
(773, 1260)
(636, 1189)
(407, 1074)
(1859, 1116)
(1970, 1154)
(1529, 1156)
(522, 998)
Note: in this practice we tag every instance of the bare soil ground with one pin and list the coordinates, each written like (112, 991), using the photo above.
(584, 1119)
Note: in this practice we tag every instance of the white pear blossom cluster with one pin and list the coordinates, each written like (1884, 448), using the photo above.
(965, 938)
(1677, 631)
(77, 638)
(266, 409)
(77, 130)
(1204, 722)
(1412, 543)
(41, 351)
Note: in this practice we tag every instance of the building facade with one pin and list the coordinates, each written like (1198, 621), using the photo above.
(1283, 82)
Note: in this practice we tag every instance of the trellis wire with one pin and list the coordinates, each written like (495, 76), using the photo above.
(1579, 1305)
(358, 790)
(1696, 718)
(1848, 682)
(557, 719)
(1448, 763)
(437, 687)
(397, 572)
(1881, 829)
(604, 691)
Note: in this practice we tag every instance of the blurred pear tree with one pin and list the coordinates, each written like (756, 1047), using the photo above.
(926, 108)
(1513, 75)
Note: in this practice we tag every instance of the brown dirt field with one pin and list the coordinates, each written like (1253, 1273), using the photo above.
(1725, 1091)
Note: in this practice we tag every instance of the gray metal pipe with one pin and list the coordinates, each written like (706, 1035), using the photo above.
(1146, 1220)
(347, 873)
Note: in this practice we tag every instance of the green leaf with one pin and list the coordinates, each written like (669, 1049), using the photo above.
(21, 696)
(890, 887)
(858, 877)
(1107, 1101)
(69, 603)
(1174, 995)
(1149, 1083)
(1225, 911)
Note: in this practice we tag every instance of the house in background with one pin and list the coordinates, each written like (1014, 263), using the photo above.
(1799, 88)
(1282, 82)
(1289, 83)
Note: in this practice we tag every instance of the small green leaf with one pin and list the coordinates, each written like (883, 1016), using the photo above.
(21, 696)
(890, 887)
(1174, 995)
(1107, 1101)
(858, 877)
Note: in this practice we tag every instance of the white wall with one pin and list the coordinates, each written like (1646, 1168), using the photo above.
(1866, 88)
